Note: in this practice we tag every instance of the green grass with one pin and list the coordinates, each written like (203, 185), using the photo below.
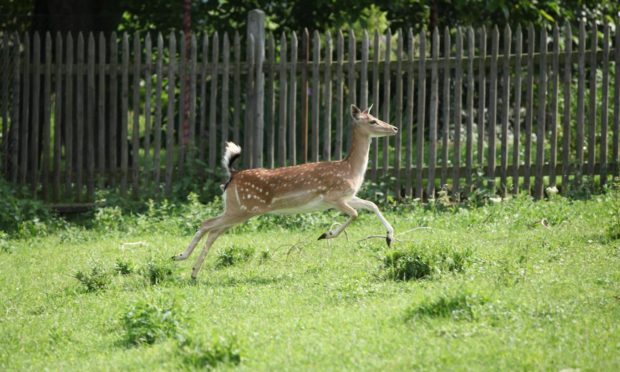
(517, 285)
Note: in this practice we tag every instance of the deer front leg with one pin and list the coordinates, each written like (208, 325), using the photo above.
(344, 208)
(365, 204)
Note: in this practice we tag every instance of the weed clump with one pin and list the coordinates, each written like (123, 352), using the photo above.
(147, 323)
(221, 351)
(122, 267)
(233, 255)
(461, 306)
(157, 271)
(421, 262)
(95, 280)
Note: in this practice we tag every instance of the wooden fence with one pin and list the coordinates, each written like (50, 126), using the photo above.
(512, 110)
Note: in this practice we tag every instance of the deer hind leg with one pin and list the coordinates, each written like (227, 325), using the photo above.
(368, 205)
(344, 208)
(213, 235)
(204, 228)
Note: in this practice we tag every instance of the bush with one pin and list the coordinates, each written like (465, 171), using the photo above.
(17, 213)
(458, 307)
(233, 255)
(157, 270)
(222, 351)
(423, 261)
(123, 267)
(98, 279)
(147, 322)
(109, 219)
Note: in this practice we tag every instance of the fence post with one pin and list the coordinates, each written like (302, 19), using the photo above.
(256, 28)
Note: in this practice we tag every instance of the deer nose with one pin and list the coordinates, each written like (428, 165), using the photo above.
(395, 129)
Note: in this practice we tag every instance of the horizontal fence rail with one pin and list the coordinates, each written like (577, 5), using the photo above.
(509, 110)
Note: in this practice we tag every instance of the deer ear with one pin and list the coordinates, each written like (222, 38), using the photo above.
(367, 111)
(355, 112)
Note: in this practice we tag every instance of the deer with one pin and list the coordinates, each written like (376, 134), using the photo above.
(300, 188)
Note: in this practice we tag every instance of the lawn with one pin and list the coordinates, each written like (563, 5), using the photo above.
(512, 285)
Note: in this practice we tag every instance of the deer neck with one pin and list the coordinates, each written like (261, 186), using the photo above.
(358, 154)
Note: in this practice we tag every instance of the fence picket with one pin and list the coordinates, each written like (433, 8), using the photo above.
(409, 115)
(385, 112)
(225, 90)
(159, 71)
(421, 113)
(269, 101)
(282, 103)
(529, 107)
(616, 125)
(215, 57)
(248, 133)
(445, 103)
(433, 116)
(363, 100)
(46, 130)
(101, 105)
(36, 108)
(482, 50)
(352, 85)
(58, 123)
(327, 99)
(80, 121)
(202, 123)
(113, 116)
(339, 95)
(4, 104)
(15, 111)
(305, 51)
(553, 124)
(592, 103)
(566, 123)
(90, 120)
(148, 92)
(542, 115)
(182, 128)
(469, 153)
(493, 108)
(505, 112)
(580, 100)
(292, 112)
(192, 97)
(170, 124)
(458, 99)
(236, 88)
(316, 94)
(125, 112)
(25, 116)
(374, 150)
(399, 113)
(516, 130)
(135, 136)
(604, 105)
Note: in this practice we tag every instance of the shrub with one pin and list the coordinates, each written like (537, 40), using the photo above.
(458, 307)
(233, 255)
(15, 212)
(98, 279)
(222, 351)
(123, 267)
(403, 265)
(149, 322)
(109, 218)
(423, 261)
(157, 270)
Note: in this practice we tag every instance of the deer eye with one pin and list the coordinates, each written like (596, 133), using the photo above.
(373, 122)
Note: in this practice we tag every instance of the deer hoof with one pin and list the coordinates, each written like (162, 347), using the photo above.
(324, 236)
(388, 240)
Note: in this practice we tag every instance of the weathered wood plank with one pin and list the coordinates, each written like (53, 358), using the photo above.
(113, 111)
(352, 84)
(529, 107)
(248, 133)
(305, 51)
(90, 119)
(409, 114)
(148, 92)
(616, 125)
(236, 89)
(292, 112)
(183, 108)
(482, 50)
(36, 94)
(69, 82)
(270, 127)
(363, 100)
(282, 102)
(605, 105)
(542, 115)
(172, 57)
(159, 72)
(15, 113)
(458, 99)
(340, 112)
(46, 130)
(327, 100)
(316, 94)
(445, 103)
(516, 129)
(505, 113)
(433, 116)
(125, 111)
(225, 89)
(101, 108)
(553, 124)
(385, 111)
(4, 103)
(421, 114)
(592, 97)
(398, 122)
(80, 120)
(469, 153)
(25, 116)
(135, 125)
(58, 122)
(566, 119)
(492, 108)
(374, 149)
(215, 57)
(203, 123)
(581, 78)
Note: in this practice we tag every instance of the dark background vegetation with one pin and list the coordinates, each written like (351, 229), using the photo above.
(292, 15)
